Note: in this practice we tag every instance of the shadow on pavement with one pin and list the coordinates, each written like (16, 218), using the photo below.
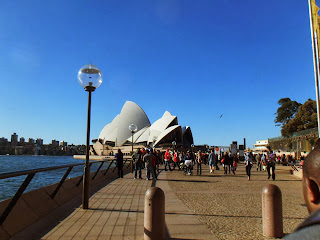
(190, 214)
(282, 180)
(178, 180)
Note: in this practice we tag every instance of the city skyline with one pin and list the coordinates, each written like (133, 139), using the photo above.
(33, 140)
(197, 60)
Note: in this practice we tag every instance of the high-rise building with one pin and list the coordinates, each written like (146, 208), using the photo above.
(22, 140)
(3, 140)
(55, 143)
(63, 144)
(31, 140)
(14, 139)
(39, 141)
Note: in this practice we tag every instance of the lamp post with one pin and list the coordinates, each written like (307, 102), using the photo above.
(154, 139)
(133, 128)
(90, 78)
(192, 146)
(174, 143)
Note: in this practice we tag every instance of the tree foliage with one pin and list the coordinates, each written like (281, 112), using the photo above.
(286, 111)
(305, 118)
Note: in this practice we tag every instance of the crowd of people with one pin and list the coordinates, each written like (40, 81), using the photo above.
(150, 160)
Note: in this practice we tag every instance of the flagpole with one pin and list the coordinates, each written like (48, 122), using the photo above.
(317, 79)
(315, 64)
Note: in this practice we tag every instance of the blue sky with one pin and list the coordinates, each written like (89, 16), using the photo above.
(196, 59)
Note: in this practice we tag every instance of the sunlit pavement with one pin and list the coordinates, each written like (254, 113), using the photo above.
(210, 206)
(230, 205)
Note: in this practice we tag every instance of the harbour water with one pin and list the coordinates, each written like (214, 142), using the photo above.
(8, 187)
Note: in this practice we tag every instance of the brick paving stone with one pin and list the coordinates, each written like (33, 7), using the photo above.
(115, 212)
(211, 206)
(230, 205)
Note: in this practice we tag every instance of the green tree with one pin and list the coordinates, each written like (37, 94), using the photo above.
(286, 111)
(292, 126)
(305, 118)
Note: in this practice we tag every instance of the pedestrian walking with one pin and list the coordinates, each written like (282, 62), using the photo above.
(154, 163)
(137, 158)
(188, 162)
(211, 161)
(235, 163)
(263, 162)
(258, 158)
(226, 162)
(229, 161)
(167, 158)
(199, 162)
(248, 164)
(157, 161)
(216, 162)
(181, 156)
(176, 160)
(271, 163)
(119, 163)
(148, 159)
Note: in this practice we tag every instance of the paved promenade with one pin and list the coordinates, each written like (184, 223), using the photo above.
(211, 206)
(116, 212)
(230, 205)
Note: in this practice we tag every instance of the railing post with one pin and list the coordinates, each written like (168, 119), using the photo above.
(125, 162)
(114, 168)
(108, 168)
(272, 219)
(97, 170)
(61, 182)
(80, 180)
(16, 197)
(154, 214)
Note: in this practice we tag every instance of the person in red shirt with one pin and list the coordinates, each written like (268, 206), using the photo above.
(235, 164)
(176, 160)
(167, 158)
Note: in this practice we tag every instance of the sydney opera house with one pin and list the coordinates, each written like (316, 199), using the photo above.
(160, 134)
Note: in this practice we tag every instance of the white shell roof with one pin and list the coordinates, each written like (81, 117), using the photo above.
(140, 136)
(144, 136)
(151, 133)
(164, 133)
(160, 126)
(117, 131)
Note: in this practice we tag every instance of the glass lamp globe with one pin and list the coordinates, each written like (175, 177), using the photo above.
(133, 127)
(174, 143)
(90, 77)
(192, 145)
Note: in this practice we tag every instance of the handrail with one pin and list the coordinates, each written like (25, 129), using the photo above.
(26, 172)
(30, 174)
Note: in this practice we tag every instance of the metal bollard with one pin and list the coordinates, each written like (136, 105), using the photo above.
(272, 219)
(154, 210)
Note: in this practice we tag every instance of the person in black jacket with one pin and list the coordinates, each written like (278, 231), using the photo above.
(310, 228)
(137, 158)
(226, 162)
(119, 163)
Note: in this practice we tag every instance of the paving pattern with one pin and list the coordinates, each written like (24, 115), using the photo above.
(230, 205)
(210, 206)
(116, 212)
